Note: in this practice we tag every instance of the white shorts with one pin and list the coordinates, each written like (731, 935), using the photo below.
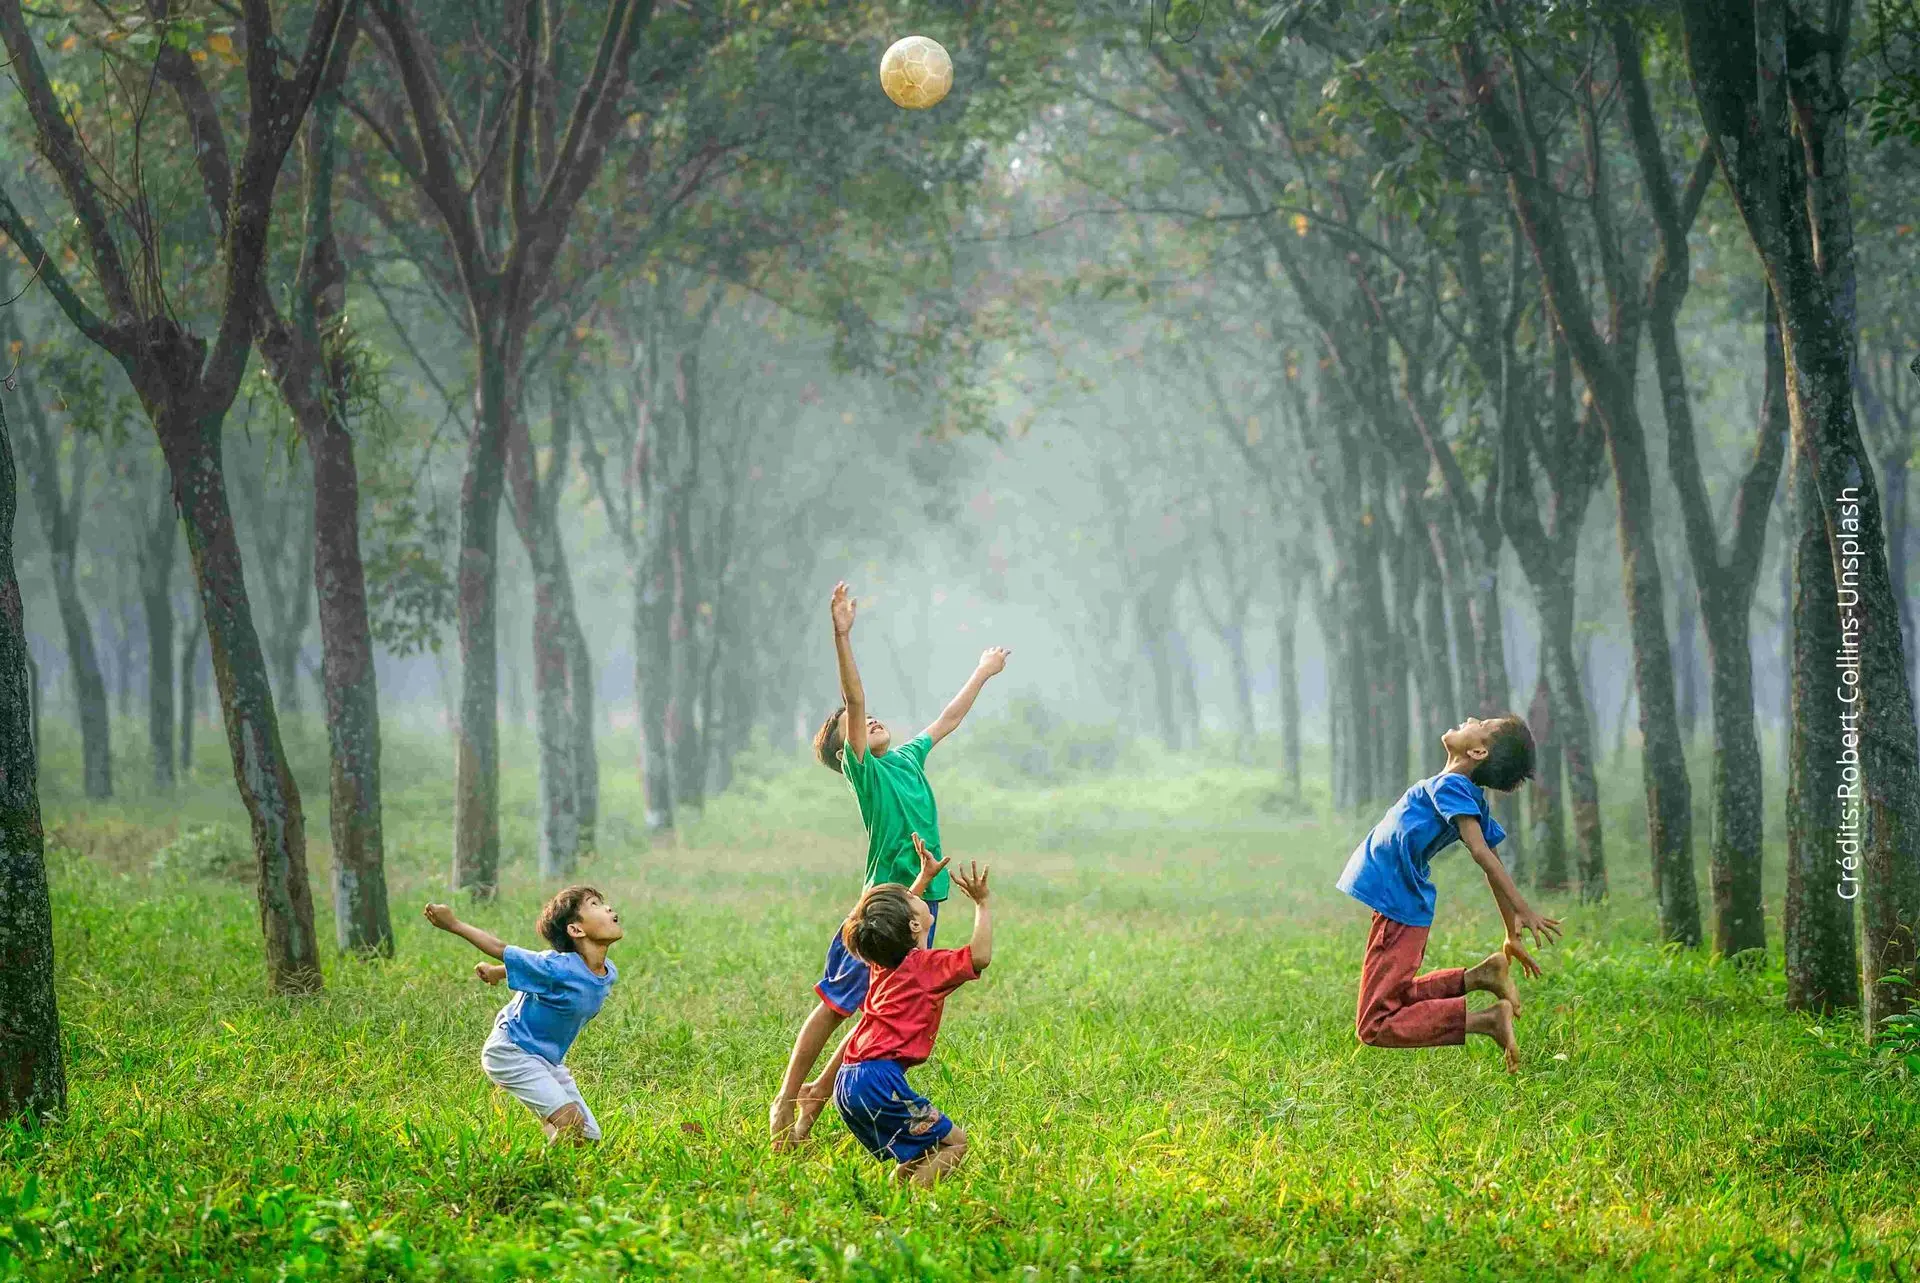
(535, 1081)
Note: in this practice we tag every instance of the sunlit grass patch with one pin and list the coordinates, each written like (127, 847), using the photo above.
(1159, 1072)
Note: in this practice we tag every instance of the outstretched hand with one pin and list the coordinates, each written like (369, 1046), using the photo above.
(1545, 930)
(842, 608)
(1517, 953)
(442, 916)
(973, 881)
(929, 866)
(994, 659)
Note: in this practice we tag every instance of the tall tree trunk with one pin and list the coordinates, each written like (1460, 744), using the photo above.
(554, 716)
(516, 693)
(1663, 763)
(192, 447)
(1686, 659)
(39, 451)
(89, 684)
(1443, 531)
(1375, 680)
(1739, 917)
(122, 659)
(33, 1079)
(1726, 600)
(1394, 638)
(1770, 84)
(1543, 802)
(1572, 729)
(189, 697)
(1289, 682)
(1787, 599)
(685, 718)
(1607, 366)
(33, 688)
(1499, 698)
(1822, 967)
(652, 677)
(1436, 641)
(1236, 643)
(361, 919)
(156, 600)
(586, 755)
(287, 644)
(476, 788)
(1896, 475)
(562, 712)
(312, 357)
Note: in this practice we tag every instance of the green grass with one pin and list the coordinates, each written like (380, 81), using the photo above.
(1159, 1073)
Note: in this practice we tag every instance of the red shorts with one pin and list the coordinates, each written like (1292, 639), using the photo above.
(1399, 1008)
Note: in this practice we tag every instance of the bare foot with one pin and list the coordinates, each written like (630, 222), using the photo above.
(1500, 1015)
(808, 1109)
(780, 1123)
(1495, 976)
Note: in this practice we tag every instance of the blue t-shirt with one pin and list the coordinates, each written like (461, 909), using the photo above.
(554, 994)
(1388, 871)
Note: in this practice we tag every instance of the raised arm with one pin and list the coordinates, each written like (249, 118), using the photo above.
(851, 692)
(991, 662)
(441, 915)
(974, 883)
(929, 869)
(1514, 910)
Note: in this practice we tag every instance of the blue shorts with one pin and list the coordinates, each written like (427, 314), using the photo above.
(891, 1119)
(843, 984)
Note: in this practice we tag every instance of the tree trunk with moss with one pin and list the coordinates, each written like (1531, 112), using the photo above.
(32, 1076)
(1770, 83)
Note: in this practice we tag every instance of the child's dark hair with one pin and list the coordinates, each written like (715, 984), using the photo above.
(562, 912)
(879, 931)
(830, 738)
(1509, 760)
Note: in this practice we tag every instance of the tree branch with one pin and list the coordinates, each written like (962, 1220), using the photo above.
(62, 148)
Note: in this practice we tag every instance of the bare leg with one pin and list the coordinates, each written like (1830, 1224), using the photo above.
(815, 1095)
(567, 1125)
(1495, 976)
(1496, 1022)
(813, 1036)
(936, 1162)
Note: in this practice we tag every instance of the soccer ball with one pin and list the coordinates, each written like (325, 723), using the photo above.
(916, 72)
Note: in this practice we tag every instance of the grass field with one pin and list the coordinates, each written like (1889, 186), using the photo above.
(1159, 1073)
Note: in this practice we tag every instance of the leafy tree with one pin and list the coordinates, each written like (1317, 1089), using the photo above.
(185, 383)
(1769, 78)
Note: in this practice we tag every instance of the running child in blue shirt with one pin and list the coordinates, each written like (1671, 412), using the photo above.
(555, 992)
(1388, 872)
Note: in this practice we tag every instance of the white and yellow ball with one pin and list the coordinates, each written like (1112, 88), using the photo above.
(916, 72)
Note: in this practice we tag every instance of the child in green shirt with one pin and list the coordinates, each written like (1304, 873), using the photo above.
(896, 802)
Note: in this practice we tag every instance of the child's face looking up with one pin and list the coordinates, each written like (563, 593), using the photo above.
(1469, 739)
(597, 922)
(878, 739)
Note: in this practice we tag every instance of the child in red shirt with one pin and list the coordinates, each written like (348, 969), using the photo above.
(899, 1020)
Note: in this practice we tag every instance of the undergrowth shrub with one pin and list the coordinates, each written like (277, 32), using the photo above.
(217, 852)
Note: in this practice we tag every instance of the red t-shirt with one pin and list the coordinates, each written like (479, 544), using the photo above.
(901, 1015)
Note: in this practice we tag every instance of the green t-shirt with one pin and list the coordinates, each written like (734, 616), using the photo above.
(896, 802)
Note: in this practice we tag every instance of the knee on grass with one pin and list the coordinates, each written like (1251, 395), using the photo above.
(569, 1123)
(936, 1162)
